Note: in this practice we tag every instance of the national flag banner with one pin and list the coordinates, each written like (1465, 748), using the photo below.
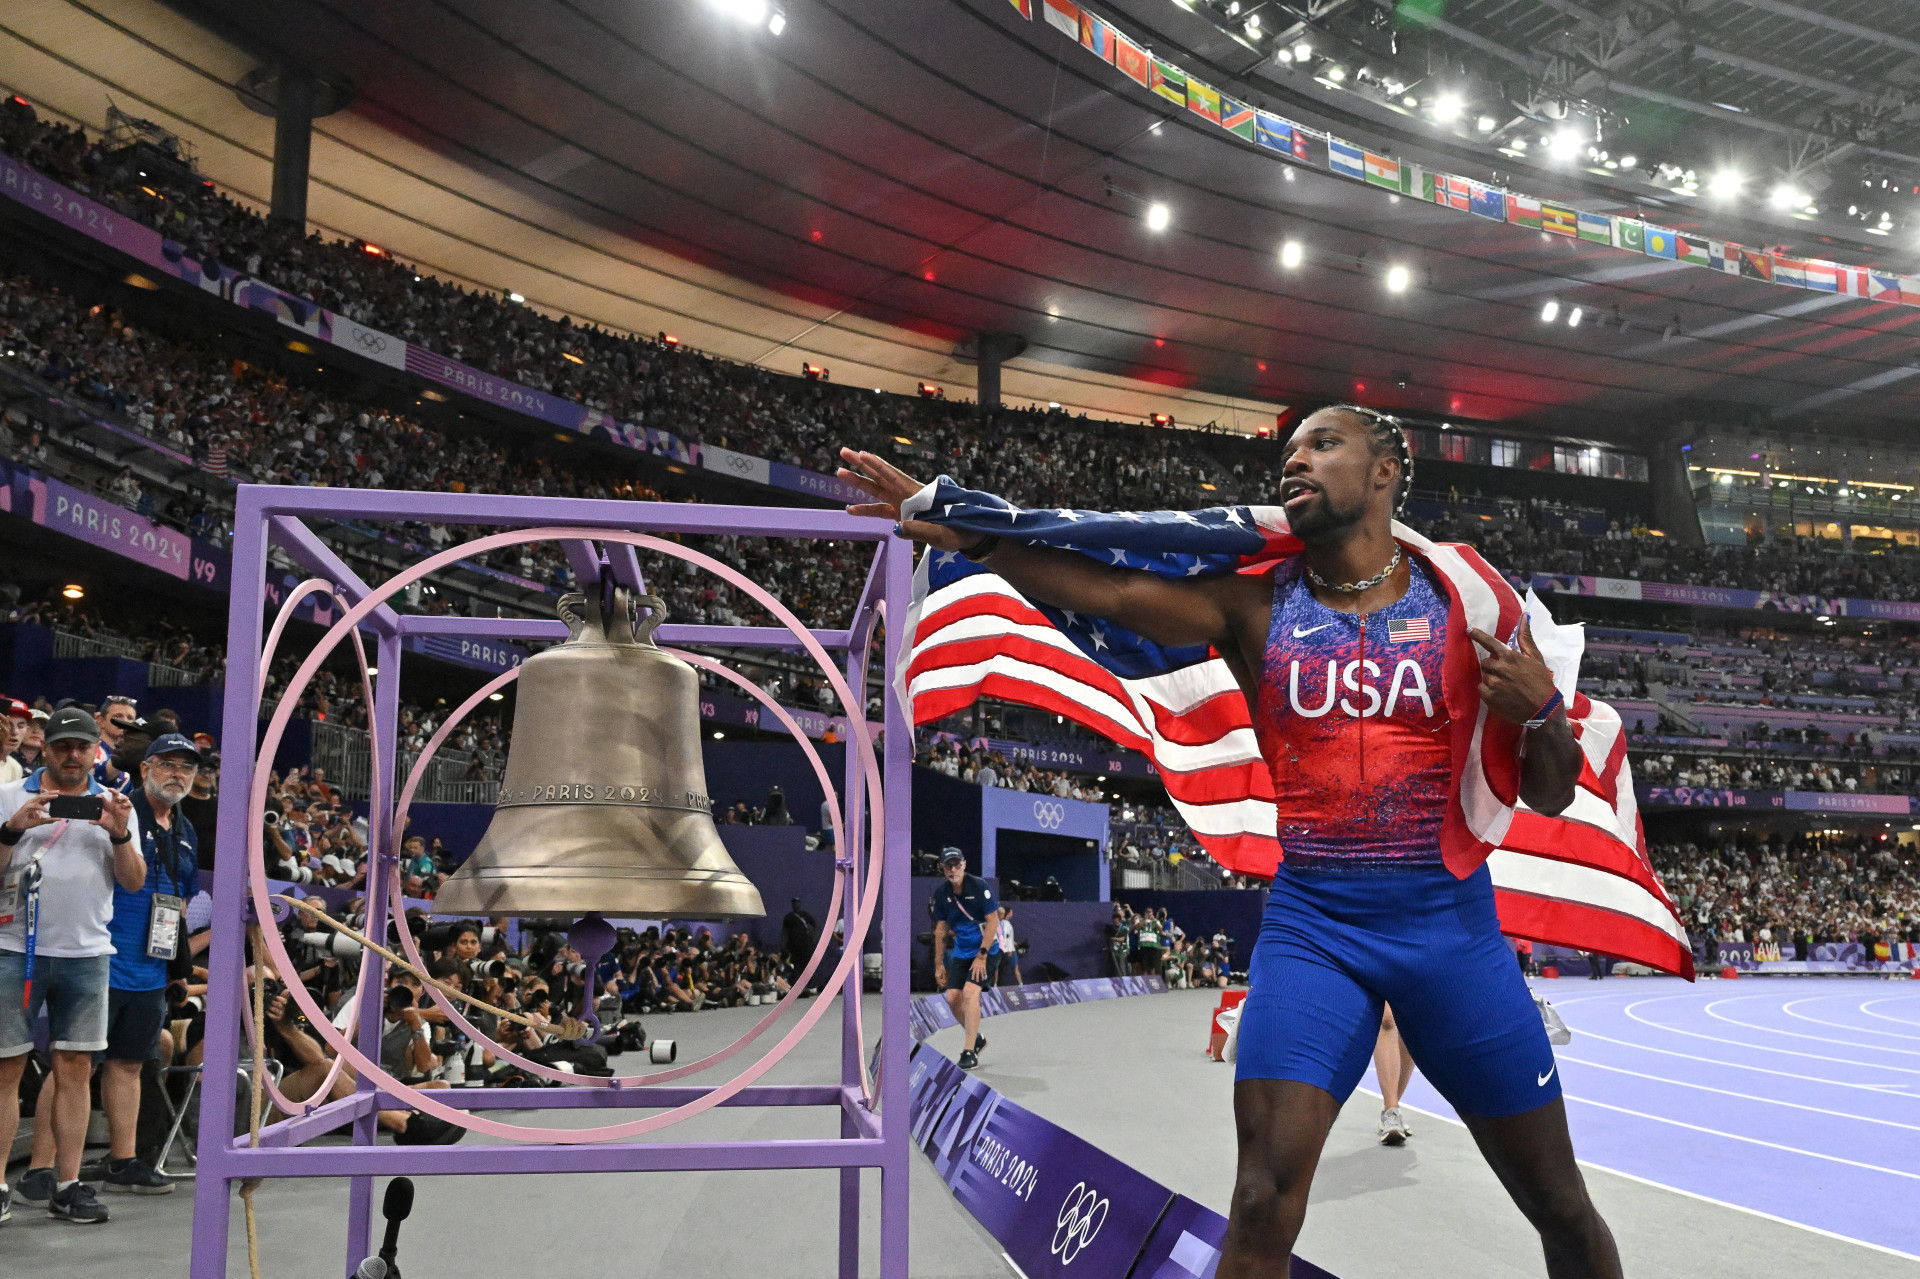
(1723, 256)
(1096, 36)
(1454, 192)
(1886, 288)
(1629, 233)
(1559, 221)
(1416, 182)
(1410, 630)
(1524, 210)
(1382, 171)
(1170, 82)
(1236, 117)
(1822, 276)
(1062, 15)
(1579, 879)
(1595, 228)
(1025, 7)
(1693, 251)
(1272, 132)
(1659, 242)
(1756, 265)
(1203, 100)
(1488, 202)
(1910, 290)
(1344, 157)
(1853, 282)
(1789, 271)
(1132, 61)
(1312, 149)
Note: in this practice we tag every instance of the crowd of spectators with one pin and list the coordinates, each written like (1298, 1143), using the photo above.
(1149, 942)
(1796, 891)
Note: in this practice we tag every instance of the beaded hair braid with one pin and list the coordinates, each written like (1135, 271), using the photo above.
(1388, 437)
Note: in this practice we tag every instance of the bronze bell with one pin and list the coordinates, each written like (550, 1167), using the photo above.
(604, 804)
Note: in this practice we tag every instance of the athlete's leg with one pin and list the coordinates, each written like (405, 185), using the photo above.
(969, 1014)
(1532, 1154)
(1391, 1061)
(1281, 1125)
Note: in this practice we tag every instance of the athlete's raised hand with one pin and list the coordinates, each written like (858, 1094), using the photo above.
(889, 486)
(1514, 684)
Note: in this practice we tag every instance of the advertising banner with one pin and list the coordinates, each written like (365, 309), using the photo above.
(96, 521)
(480, 654)
(1051, 1199)
(1791, 800)
(741, 466)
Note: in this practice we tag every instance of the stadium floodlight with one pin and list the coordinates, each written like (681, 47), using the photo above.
(777, 23)
(1566, 143)
(1550, 312)
(1785, 197)
(1291, 254)
(752, 12)
(1448, 107)
(1336, 73)
(1302, 51)
(1574, 317)
(1724, 185)
(1398, 277)
(1487, 124)
(1159, 217)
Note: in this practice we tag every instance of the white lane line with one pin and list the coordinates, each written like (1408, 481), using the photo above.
(1882, 1090)
(1743, 1096)
(1678, 1190)
(1739, 1043)
(1790, 1005)
(1895, 999)
(1752, 1141)
(1794, 1034)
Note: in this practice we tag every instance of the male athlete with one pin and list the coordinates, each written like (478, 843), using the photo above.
(965, 916)
(1374, 703)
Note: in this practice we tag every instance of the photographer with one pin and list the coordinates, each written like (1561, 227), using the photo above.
(293, 1044)
(68, 841)
(282, 861)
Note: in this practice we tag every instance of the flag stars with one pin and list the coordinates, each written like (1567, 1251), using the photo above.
(1099, 640)
(1119, 556)
(944, 558)
(1070, 516)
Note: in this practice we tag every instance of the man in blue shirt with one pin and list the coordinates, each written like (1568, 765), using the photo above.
(146, 934)
(966, 919)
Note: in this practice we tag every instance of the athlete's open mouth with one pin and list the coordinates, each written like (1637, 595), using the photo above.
(1292, 490)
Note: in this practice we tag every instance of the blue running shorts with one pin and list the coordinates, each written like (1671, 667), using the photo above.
(1335, 944)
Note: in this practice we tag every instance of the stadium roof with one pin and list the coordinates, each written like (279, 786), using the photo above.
(949, 167)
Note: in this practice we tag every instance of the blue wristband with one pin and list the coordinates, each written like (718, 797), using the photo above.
(1545, 713)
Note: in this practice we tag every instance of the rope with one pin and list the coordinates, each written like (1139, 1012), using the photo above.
(565, 1028)
(256, 1098)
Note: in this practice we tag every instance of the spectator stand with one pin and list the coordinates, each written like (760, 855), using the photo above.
(598, 538)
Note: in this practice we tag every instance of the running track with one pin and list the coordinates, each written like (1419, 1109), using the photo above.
(1798, 1098)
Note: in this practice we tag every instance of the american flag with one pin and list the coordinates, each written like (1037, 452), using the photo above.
(1579, 879)
(1408, 630)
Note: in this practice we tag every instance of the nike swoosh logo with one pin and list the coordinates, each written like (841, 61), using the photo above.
(1542, 1080)
(1300, 634)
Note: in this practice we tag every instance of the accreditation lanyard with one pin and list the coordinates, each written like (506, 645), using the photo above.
(990, 946)
(30, 885)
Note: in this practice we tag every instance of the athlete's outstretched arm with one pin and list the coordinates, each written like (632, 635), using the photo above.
(1514, 685)
(1164, 611)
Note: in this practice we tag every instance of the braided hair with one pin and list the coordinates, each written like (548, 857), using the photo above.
(1387, 436)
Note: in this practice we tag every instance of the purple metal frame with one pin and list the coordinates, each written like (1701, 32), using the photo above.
(267, 515)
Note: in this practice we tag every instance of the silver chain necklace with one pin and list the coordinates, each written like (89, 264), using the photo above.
(1354, 588)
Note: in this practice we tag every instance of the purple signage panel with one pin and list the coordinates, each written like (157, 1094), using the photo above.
(1842, 802)
(931, 1081)
(1187, 1242)
(480, 654)
(99, 522)
(1052, 1200)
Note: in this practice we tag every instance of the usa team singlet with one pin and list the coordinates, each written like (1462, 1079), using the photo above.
(1351, 720)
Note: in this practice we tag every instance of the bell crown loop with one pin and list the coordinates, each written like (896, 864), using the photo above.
(586, 624)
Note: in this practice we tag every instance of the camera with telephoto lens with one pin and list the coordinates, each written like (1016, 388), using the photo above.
(299, 874)
(336, 945)
(399, 999)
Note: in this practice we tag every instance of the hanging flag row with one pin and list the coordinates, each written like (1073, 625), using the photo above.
(1325, 151)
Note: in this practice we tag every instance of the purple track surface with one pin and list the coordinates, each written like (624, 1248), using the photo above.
(1794, 1097)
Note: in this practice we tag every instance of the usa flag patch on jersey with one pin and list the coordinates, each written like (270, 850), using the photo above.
(1410, 630)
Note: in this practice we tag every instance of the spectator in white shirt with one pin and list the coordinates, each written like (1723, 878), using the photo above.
(76, 862)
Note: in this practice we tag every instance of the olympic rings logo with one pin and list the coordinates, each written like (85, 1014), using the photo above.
(1081, 1215)
(368, 340)
(1049, 815)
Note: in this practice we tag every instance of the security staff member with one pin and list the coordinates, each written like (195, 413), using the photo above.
(964, 910)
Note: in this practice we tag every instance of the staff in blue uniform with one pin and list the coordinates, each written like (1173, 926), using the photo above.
(966, 943)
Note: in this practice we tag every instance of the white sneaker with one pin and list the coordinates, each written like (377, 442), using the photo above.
(1393, 1129)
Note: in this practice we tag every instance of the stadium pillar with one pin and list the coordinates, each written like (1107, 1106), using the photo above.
(292, 145)
(993, 349)
(1674, 511)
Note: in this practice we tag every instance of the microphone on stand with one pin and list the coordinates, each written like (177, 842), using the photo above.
(396, 1208)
